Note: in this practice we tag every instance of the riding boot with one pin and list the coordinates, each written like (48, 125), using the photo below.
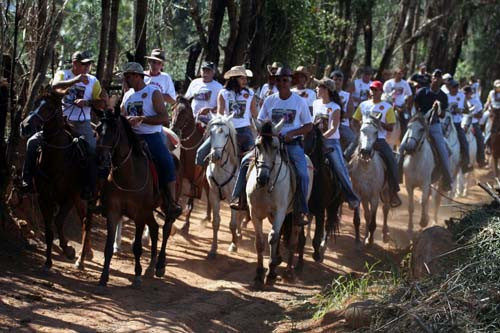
(239, 203)
(401, 160)
(172, 209)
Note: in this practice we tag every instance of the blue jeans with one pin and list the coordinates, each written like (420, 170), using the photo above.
(348, 141)
(390, 162)
(298, 158)
(480, 143)
(464, 146)
(336, 159)
(162, 158)
(245, 141)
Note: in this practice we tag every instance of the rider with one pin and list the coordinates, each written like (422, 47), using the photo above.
(348, 139)
(236, 99)
(145, 111)
(376, 106)
(156, 77)
(269, 88)
(204, 92)
(361, 87)
(84, 92)
(493, 102)
(290, 106)
(300, 78)
(456, 106)
(447, 77)
(425, 99)
(328, 108)
(475, 107)
(401, 95)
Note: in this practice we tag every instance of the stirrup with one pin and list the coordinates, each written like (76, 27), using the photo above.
(238, 204)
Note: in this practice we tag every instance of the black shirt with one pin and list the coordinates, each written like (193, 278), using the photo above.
(426, 97)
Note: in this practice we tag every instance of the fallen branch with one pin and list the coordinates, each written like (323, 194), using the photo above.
(488, 189)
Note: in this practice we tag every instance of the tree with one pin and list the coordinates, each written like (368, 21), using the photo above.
(140, 31)
(112, 44)
(103, 40)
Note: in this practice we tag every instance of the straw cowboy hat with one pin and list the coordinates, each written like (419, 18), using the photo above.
(275, 65)
(236, 71)
(302, 70)
(133, 67)
(327, 83)
(157, 54)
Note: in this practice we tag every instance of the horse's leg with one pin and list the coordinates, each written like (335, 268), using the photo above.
(68, 251)
(357, 223)
(118, 238)
(300, 246)
(167, 229)
(209, 209)
(385, 228)
(185, 227)
(309, 220)
(215, 200)
(86, 251)
(273, 241)
(426, 191)
(411, 208)
(373, 220)
(235, 227)
(111, 223)
(318, 235)
(366, 213)
(137, 249)
(48, 214)
(259, 247)
(153, 232)
(437, 204)
(292, 246)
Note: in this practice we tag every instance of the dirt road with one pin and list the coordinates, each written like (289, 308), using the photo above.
(196, 295)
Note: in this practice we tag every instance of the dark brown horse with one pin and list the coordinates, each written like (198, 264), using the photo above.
(59, 176)
(184, 124)
(495, 138)
(129, 190)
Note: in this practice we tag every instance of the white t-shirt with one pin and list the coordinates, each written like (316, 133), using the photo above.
(91, 90)
(326, 111)
(361, 90)
(204, 94)
(494, 98)
(308, 95)
(367, 108)
(164, 83)
(238, 105)
(344, 97)
(140, 103)
(476, 106)
(444, 89)
(456, 104)
(266, 92)
(476, 89)
(398, 91)
(294, 110)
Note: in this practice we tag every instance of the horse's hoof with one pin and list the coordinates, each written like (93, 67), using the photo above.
(69, 252)
(212, 255)
(160, 272)
(185, 230)
(150, 272)
(103, 282)
(424, 223)
(279, 260)
(300, 267)
(79, 265)
(368, 241)
(271, 278)
(317, 257)
(116, 250)
(358, 245)
(233, 248)
(385, 238)
(289, 275)
(45, 269)
(137, 283)
(89, 255)
(240, 236)
(258, 283)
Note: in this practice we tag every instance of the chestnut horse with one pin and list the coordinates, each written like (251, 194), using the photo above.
(184, 124)
(60, 174)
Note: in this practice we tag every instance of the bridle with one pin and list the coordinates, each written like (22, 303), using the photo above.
(44, 120)
(184, 126)
(261, 165)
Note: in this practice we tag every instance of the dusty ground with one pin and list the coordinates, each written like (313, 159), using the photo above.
(196, 295)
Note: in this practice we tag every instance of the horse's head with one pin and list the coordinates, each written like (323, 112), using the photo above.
(108, 137)
(47, 107)
(447, 125)
(368, 135)
(416, 132)
(313, 144)
(222, 133)
(466, 122)
(182, 115)
(267, 148)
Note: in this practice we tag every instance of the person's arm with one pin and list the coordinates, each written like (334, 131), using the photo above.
(409, 96)
(60, 83)
(170, 95)
(221, 104)
(350, 108)
(161, 117)
(253, 108)
(334, 124)
(356, 117)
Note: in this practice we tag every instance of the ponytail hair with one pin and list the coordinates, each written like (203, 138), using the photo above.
(335, 97)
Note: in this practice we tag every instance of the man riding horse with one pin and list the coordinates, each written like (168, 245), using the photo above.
(297, 122)
(145, 111)
(83, 92)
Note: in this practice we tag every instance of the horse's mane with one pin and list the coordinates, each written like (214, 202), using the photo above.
(228, 123)
(133, 138)
(420, 117)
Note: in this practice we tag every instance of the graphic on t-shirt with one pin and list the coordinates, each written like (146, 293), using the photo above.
(304, 94)
(287, 114)
(74, 93)
(397, 91)
(156, 84)
(135, 108)
(203, 95)
(237, 108)
(453, 107)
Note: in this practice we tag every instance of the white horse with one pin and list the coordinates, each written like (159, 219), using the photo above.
(451, 137)
(221, 176)
(418, 166)
(464, 180)
(367, 171)
(172, 141)
(270, 192)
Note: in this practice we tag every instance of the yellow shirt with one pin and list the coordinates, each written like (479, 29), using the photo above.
(367, 108)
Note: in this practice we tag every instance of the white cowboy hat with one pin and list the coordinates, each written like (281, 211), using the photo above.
(235, 71)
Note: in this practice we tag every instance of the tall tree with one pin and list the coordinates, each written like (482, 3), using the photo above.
(112, 44)
(103, 40)
(140, 31)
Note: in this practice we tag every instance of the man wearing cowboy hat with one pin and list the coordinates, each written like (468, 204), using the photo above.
(204, 91)
(301, 77)
(156, 77)
(269, 88)
(84, 91)
(144, 107)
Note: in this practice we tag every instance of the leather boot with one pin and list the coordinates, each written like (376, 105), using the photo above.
(172, 209)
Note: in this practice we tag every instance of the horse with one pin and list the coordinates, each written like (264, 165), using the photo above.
(221, 176)
(418, 166)
(451, 137)
(184, 124)
(59, 176)
(495, 138)
(270, 193)
(367, 171)
(325, 196)
(131, 189)
(463, 180)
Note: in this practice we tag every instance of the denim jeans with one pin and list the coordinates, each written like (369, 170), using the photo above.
(84, 129)
(464, 146)
(388, 156)
(336, 159)
(480, 142)
(32, 145)
(162, 157)
(348, 141)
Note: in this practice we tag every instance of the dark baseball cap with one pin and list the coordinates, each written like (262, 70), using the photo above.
(453, 83)
(82, 57)
(284, 71)
(337, 73)
(208, 65)
(437, 72)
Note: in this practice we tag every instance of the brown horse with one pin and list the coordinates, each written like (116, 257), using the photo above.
(60, 170)
(495, 138)
(129, 190)
(184, 124)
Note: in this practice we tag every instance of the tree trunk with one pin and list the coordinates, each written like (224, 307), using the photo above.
(241, 46)
(194, 54)
(232, 14)
(458, 42)
(103, 40)
(112, 44)
(140, 33)
(258, 42)
(407, 33)
(368, 33)
(214, 28)
(348, 59)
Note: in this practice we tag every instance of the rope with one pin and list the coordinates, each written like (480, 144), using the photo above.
(453, 200)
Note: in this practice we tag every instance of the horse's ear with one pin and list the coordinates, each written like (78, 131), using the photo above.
(230, 117)
(257, 124)
(278, 127)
